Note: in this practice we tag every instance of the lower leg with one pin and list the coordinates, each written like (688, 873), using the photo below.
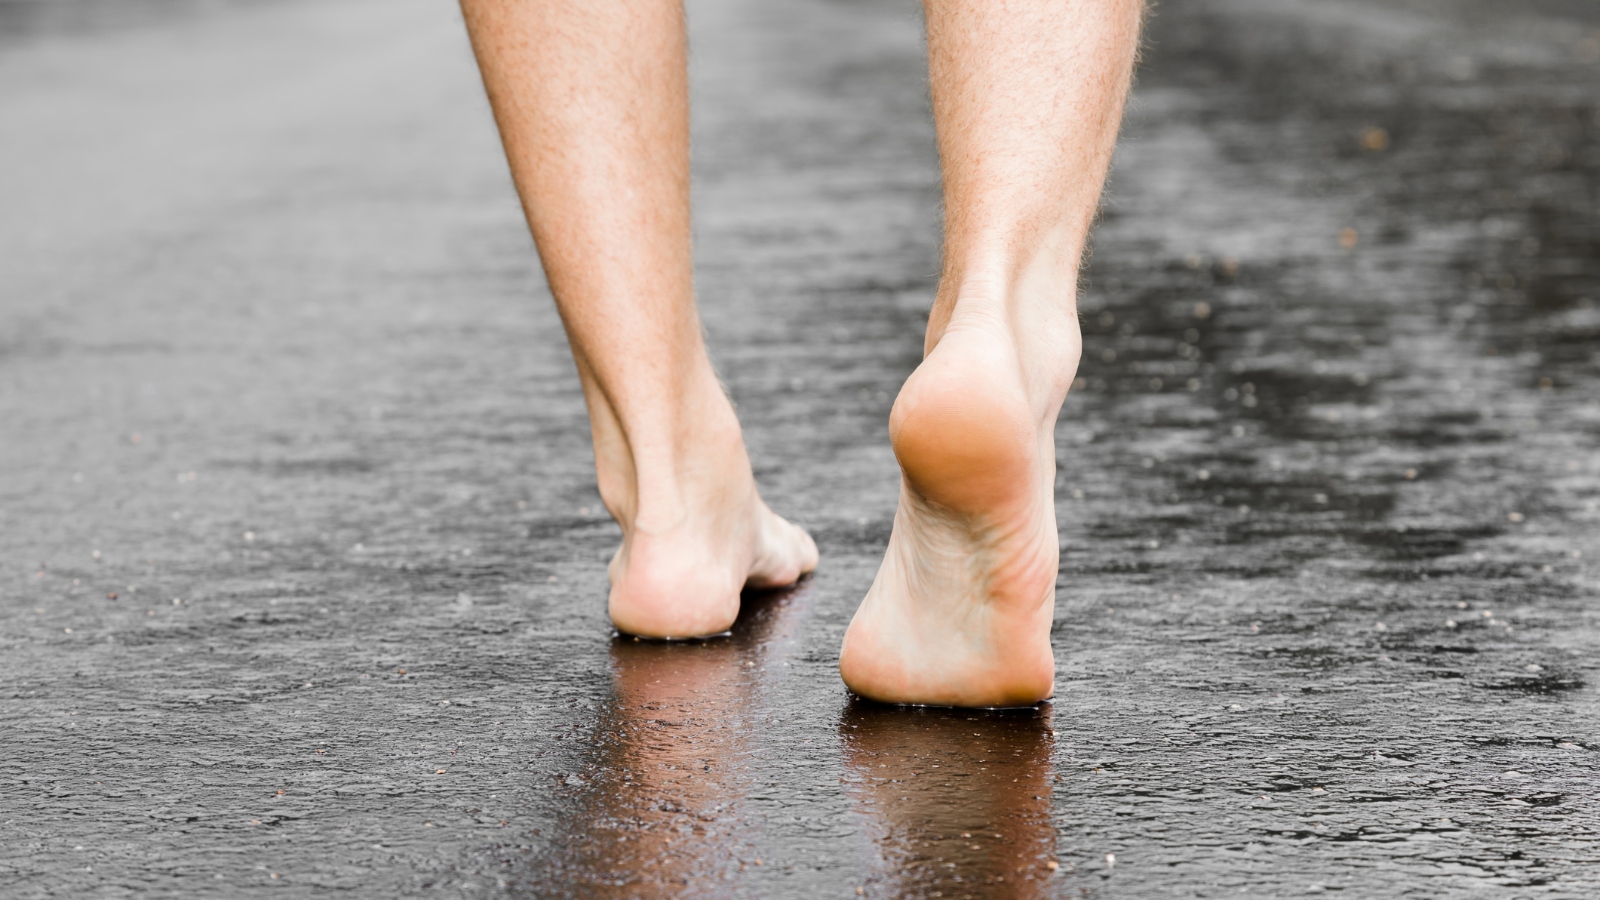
(1027, 99)
(592, 104)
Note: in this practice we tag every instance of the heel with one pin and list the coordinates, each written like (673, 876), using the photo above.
(960, 428)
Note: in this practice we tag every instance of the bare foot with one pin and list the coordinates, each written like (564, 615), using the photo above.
(679, 574)
(960, 612)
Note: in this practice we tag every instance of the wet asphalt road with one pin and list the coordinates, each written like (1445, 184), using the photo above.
(303, 569)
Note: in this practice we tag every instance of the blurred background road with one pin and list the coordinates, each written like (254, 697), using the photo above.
(302, 572)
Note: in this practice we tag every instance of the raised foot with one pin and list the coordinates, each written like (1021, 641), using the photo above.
(684, 582)
(960, 611)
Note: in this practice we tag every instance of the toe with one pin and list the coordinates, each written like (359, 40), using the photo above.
(787, 552)
(808, 550)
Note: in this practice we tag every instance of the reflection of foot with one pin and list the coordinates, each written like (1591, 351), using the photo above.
(960, 611)
(660, 808)
(957, 801)
(680, 575)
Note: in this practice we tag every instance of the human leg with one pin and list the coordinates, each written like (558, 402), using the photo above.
(1027, 99)
(592, 104)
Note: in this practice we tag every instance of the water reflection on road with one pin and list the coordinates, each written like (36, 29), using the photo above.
(669, 810)
(663, 811)
(957, 801)
(951, 803)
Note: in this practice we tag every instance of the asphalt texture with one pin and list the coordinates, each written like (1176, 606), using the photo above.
(303, 584)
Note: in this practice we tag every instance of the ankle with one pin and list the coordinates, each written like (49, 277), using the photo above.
(1024, 284)
(1041, 337)
(675, 469)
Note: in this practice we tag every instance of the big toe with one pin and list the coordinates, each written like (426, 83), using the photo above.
(806, 549)
(788, 553)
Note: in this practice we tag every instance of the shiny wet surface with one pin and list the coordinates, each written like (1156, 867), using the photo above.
(277, 372)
